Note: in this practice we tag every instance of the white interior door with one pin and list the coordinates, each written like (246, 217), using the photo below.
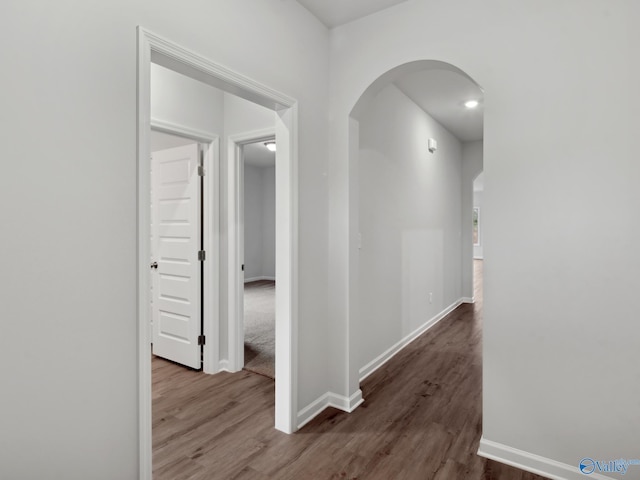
(176, 237)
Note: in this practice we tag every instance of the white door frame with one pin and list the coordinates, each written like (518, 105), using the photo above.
(154, 48)
(235, 191)
(211, 236)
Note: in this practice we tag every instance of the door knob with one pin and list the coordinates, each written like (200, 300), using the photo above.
(154, 265)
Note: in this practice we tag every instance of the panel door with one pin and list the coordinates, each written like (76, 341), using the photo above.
(176, 237)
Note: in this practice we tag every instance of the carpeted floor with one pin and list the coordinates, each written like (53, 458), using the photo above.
(260, 327)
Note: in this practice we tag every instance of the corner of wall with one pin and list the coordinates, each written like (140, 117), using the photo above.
(387, 355)
(329, 399)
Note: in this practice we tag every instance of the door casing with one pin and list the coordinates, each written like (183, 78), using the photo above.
(153, 48)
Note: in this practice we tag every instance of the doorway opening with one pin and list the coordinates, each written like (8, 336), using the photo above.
(410, 249)
(180, 223)
(240, 244)
(258, 241)
(154, 50)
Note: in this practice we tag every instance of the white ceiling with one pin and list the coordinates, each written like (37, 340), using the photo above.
(337, 12)
(257, 155)
(442, 93)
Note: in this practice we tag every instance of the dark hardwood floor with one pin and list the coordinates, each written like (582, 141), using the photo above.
(421, 419)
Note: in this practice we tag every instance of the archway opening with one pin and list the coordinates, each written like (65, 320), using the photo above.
(415, 148)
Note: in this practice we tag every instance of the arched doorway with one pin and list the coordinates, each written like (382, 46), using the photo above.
(413, 148)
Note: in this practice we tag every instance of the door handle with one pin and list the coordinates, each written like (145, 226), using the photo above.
(154, 265)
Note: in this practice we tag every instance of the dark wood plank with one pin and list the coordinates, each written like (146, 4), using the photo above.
(422, 419)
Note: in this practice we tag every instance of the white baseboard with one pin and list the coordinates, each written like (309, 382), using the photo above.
(329, 399)
(349, 404)
(534, 463)
(255, 279)
(223, 366)
(468, 299)
(376, 363)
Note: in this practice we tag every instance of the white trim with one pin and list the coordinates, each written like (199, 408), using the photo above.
(383, 358)
(468, 300)
(312, 410)
(223, 365)
(256, 279)
(254, 136)
(478, 258)
(211, 266)
(346, 404)
(183, 131)
(170, 55)
(533, 463)
(329, 399)
(152, 47)
(287, 269)
(235, 259)
(143, 223)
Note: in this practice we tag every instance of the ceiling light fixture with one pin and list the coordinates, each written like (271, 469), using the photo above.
(471, 103)
(271, 146)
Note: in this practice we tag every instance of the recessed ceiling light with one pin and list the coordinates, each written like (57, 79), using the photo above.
(471, 103)
(271, 146)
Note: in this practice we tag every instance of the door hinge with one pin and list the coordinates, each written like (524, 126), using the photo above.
(243, 267)
(201, 256)
(201, 340)
(200, 171)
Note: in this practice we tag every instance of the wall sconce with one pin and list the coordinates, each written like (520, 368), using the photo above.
(432, 145)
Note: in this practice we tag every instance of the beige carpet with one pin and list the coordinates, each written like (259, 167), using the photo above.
(260, 327)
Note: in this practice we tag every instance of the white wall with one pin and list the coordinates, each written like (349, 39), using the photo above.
(478, 203)
(410, 221)
(163, 141)
(252, 222)
(561, 376)
(68, 349)
(539, 129)
(259, 223)
(472, 164)
(269, 222)
(242, 116)
(183, 101)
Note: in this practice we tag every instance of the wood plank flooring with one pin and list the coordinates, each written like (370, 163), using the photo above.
(421, 419)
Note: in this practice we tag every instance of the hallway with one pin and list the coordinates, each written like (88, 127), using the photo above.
(421, 419)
